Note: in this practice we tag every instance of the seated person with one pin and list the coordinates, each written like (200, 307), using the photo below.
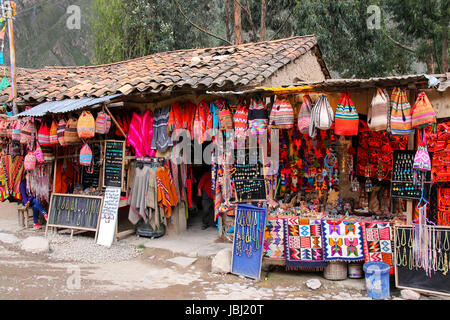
(28, 200)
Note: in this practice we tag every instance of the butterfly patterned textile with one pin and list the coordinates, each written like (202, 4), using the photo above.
(303, 244)
(343, 240)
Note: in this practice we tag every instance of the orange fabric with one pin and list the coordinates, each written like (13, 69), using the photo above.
(166, 193)
(63, 178)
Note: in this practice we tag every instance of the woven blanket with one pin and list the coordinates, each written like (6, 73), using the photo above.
(274, 239)
(304, 245)
(378, 242)
(343, 241)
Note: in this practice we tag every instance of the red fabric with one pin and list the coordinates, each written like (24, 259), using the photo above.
(205, 184)
(182, 116)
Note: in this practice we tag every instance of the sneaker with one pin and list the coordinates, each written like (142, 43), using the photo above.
(46, 217)
(36, 226)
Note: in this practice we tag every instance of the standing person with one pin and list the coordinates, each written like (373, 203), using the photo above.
(205, 191)
(28, 200)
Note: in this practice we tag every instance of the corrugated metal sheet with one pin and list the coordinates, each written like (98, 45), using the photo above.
(64, 106)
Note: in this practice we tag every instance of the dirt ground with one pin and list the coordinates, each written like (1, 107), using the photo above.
(134, 273)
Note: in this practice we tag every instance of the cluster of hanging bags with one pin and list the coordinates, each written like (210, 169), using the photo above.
(346, 118)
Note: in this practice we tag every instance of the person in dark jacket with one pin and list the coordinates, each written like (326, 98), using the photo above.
(205, 191)
(28, 200)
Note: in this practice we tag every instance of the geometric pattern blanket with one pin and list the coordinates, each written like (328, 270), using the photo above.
(304, 244)
(343, 241)
(274, 239)
(378, 242)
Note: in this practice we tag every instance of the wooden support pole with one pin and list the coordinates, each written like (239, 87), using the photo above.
(116, 123)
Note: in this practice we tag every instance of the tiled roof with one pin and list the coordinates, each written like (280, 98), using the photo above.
(209, 68)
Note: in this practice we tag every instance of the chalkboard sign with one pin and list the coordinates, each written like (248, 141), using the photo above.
(113, 166)
(409, 276)
(403, 185)
(92, 180)
(74, 211)
(248, 179)
(248, 242)
(108, 218)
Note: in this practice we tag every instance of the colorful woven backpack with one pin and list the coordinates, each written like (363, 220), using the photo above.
(85, 155)
(346, 119)
(322, 116)
(378, 115)
(71, 133)
(282, 114)
(48, 153)
(304, 116)
(38, 154)
(225, 117)
(60, 132)
(16, 130)
(53, 133)
(86, 125)
(27, 132)
(29, 161)
(44, 134)
(257, 116)
(422, 112)
(401, 121)
(422, 159)
(241, 120)
(102, 123)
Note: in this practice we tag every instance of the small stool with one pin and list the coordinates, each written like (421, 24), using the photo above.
(23, 214)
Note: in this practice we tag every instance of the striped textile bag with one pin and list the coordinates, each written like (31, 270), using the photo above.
(257, 117)
(378, 115)
(44, 134)
(85, 155)
(60, 132)
(241, 120)
(86, 125)
(346, 117)
(281, 115)
(54, 133)
(27, 132)
(225, 117)
(71, 133)
(102, 123)
(401, 121)
(38, 154)
(422, 112)
(422, 159)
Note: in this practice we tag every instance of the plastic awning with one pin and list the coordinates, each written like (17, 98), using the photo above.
(63, 106)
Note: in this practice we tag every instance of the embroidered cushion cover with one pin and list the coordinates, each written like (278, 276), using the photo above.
(343, 241)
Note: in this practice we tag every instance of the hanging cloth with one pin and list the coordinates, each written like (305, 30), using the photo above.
(200, 122)
(167, 196)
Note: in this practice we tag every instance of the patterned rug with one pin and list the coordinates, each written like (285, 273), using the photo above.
(304, 245)
(274, 239)
(343, 241)
(378, 242)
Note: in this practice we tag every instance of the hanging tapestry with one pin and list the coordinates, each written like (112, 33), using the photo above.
(304, 245)
(274, 239)
(377, 242)
(343, 241)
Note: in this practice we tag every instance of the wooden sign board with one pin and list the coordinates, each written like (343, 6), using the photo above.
(108, 217)
(408, 276)
(113, 166)
(73, 211)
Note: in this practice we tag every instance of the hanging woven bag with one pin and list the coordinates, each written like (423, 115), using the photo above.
(16, 130)
(38, 154)
(44, 134)
(281, 115)
(29, 162)
(241, 120)
(257, 116)
(54, 133)
(48, 153)
(346, 119)
(378, 114)
(85, 155)
(71, 132)
(422, 161)
(304, 116)
(323, 113)
(422, 112)
(225, 117)
(102, 123)
(27, 132)
(60, 132)
(401, 121)
(86, 125)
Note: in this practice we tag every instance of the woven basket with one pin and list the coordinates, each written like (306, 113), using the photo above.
(336, 270)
